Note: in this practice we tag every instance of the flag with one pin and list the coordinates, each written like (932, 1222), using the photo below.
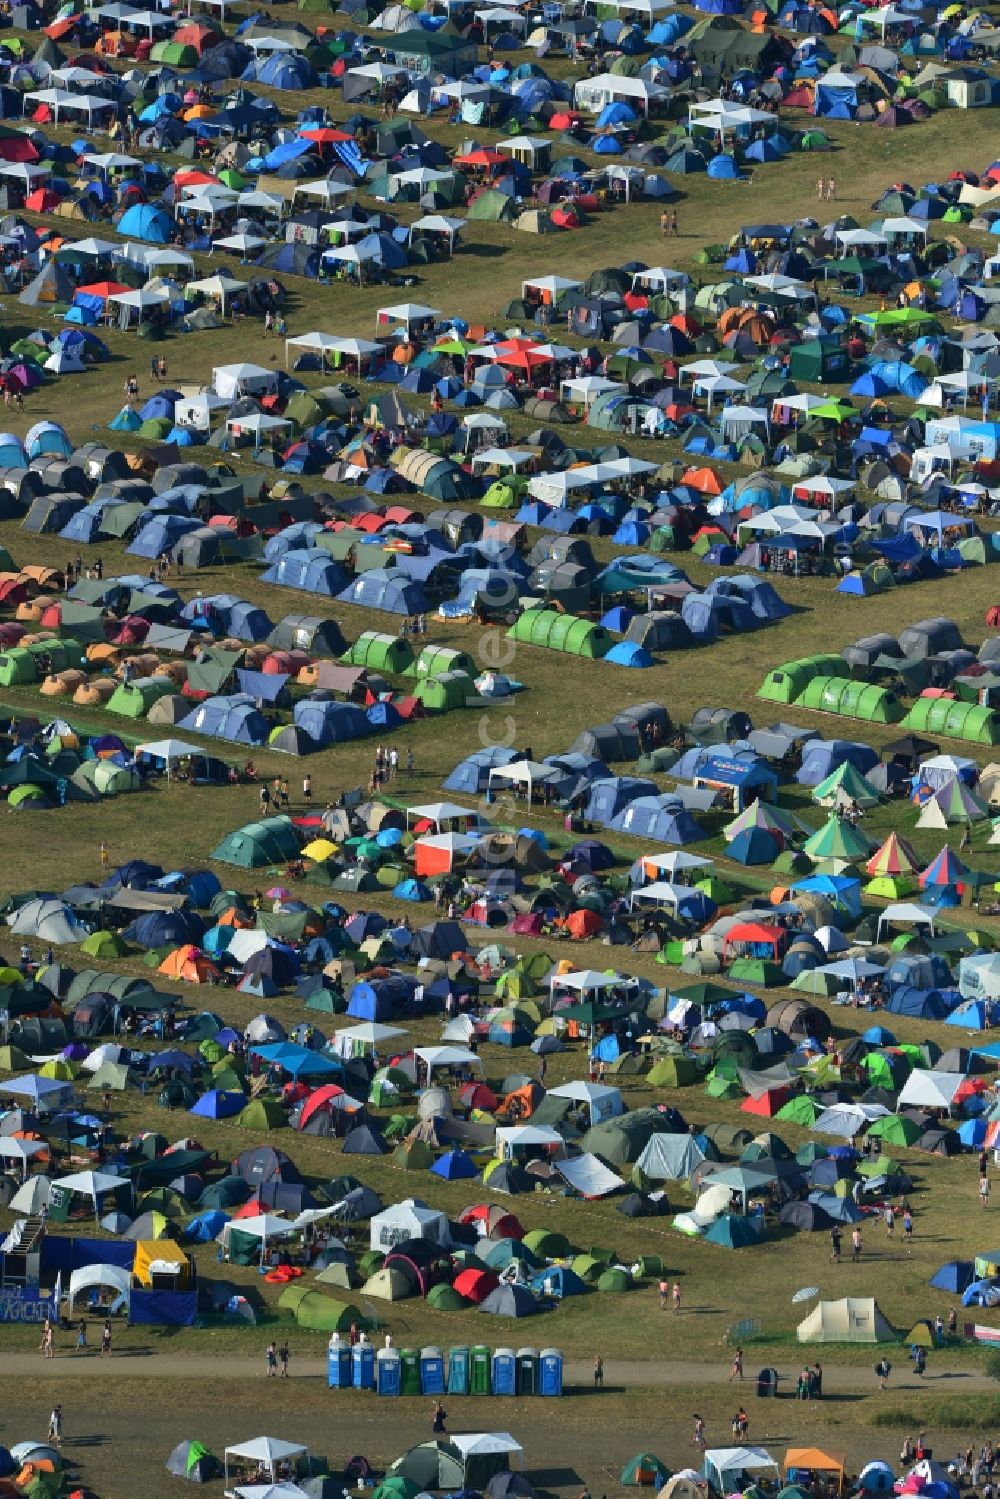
(57, 1293)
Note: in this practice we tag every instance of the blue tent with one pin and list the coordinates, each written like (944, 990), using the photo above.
(754, 846)
(234, 718)
(629, 653)
(207, 1226)
(412, 890)
(310, 569)
(331, 722)
(218, 1103)
(381, 999)
(146, 222)
(384, 589)
(455, 1165)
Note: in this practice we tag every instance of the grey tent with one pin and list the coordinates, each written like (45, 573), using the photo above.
(670, 1158)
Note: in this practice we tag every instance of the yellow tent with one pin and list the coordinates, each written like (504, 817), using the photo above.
(156, 1257)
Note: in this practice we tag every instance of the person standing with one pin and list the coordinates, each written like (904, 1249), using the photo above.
(81, 1335)
(598, 1373)
(106, 1340)
(736, 1368)
(48, 1351)
(664, 1294)
(283, 1353)
(438, 1417)
(855, 1244)
(55, 1425)
(307, 790)
(883, 1369)
(984, 1192)
(698, 1438)
(271, 1359)
(890, 1220)
(675, 1296)
(835, 1240)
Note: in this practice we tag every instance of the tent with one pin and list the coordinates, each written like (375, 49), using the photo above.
(852, 1319)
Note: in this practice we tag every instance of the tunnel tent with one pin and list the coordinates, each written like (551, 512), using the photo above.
(787, 683)
(380, 652)
(437, 659)
(973, 722)
(562, 632)
(849, 699)
(273, 840)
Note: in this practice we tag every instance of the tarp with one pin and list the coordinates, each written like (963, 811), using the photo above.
(589, 1176)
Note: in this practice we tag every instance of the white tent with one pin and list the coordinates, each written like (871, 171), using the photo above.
(92, 1184)
(927, 1089)
(589, 1176)
(854, 1319)
(603, 1102)
(410, 1219)
(269, 1453)
(472, 1444)
(109, 1277)
(20, 1152)
(724, 1464)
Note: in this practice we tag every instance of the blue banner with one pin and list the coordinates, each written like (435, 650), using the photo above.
(25, 1304)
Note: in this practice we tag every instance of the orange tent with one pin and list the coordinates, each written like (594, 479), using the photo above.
(583, 924)
(190, 964)
(706, 480)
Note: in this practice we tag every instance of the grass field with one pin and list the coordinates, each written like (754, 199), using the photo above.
(120, 1428)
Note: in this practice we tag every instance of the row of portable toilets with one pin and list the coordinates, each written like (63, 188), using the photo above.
(427, 1371)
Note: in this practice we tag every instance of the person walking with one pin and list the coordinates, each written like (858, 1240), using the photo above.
(907, 1226)
(81, 1336)
(105, 855)
(855, 1244)
(675, 1296)
(438, 1417)
(883, 1369)
(271, 1359)
(835, 1242)
(984, 1192)
(698, 1436)
(664, 1289)
(598, 1373)
(55, 1425)
(283, 1353)
(736, 1368)
(890, 1220)
(48, 1350)
(307, 790)
(106, 1339)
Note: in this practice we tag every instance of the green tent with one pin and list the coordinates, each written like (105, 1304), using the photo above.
(134, 699)
(800, 1110)
(319, 1313)
(561, 632)
(104, 945)
(212, 673)
(645, 1470)
(847, 782)
(894, 1129)
(757, 971)
(263, 1114)
(614, 1279)
(388, 653)
(837, 839)
(972, 722)
(434, 660)
(272, 841)
(492, 207)
(413, 1155)
(17, 667)
(852, 699)
(786, 683)
(673, 1072)
(443, 694)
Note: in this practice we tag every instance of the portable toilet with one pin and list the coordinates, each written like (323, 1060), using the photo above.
(458, 1371)
(363, 1366)
(387, 1367)
(431, 1371)
(527, 1371)
(550, 1372)
(410, 1360)
(504, 1372)
(338, 1366)
(480, 1379)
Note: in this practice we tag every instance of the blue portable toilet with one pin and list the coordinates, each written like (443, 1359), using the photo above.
(550, 1371)
(527, 1371)
(388, 1367)
(338, 1366)
(458, 1371)
(431, 1371)
(504, 1371)
(363, 1366)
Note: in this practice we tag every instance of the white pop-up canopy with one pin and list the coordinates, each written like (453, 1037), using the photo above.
(274, 1456)
(108, 1277)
